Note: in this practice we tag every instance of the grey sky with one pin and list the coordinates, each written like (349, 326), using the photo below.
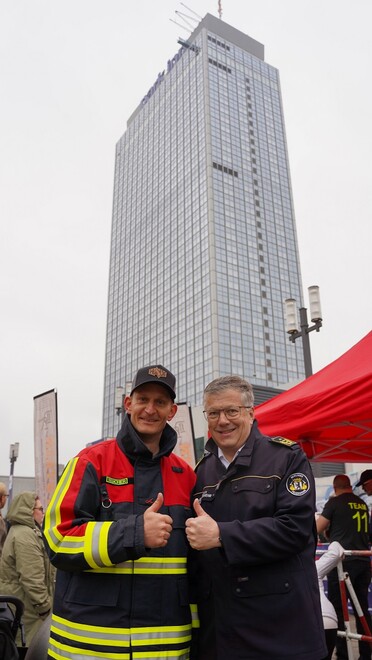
(71, 73)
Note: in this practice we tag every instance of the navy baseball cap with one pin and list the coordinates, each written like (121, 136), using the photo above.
(155, 374)
(365, 476)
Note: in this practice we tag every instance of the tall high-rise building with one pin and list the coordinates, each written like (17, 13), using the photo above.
(204, 247)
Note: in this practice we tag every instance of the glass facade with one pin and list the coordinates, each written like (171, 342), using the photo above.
(203, 246)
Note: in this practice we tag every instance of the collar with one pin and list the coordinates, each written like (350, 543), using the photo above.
(132, 445)
(224, 460)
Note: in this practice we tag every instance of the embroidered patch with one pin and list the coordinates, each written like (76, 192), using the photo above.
(298, 484)
(159, 373)
(118, 482)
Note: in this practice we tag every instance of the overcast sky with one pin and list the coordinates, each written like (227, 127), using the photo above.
(71, 73)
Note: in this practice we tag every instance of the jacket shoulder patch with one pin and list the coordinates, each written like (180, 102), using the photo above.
(279, 440)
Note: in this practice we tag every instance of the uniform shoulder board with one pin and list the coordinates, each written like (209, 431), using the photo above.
(279, 440)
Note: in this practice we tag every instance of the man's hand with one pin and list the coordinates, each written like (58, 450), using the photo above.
(157, 526)
(202, 532)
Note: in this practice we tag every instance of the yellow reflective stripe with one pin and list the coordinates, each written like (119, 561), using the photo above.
(70, 545)
(161, 634)
(95, 546)
(88, 632)
(194, 615)
(161, 560)
(97, 631)
(65, 652)
(120, 637)
(53, 512)
(181, 654)
(103, 543)
(148, 566)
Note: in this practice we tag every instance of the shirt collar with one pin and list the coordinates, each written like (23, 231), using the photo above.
(224, 460)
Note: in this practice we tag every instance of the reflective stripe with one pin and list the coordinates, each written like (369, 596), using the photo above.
(194, 616)
(182, 654)
(148, 566)
(95, 546)
(85, 633)
(161, 634)
(64, 652)
(53, 514)
(95, 636)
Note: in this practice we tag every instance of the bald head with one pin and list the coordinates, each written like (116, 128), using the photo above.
(341, 483)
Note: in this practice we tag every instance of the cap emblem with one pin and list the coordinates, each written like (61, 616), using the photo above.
(159, 373)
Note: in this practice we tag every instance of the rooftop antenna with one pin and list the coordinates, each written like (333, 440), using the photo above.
(193, 12)
(186, 26)
(183, 18)
(219, 8)
(181, 26)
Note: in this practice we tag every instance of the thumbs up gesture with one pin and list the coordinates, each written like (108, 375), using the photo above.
(157, 526)
(202, 532)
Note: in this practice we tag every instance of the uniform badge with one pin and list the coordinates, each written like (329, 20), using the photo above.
(298, 484)
(283, 441)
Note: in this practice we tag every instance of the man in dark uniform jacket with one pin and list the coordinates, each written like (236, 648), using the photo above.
(345, 518)
(254, 538)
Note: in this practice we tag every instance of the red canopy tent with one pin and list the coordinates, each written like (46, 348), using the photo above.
(330, 413)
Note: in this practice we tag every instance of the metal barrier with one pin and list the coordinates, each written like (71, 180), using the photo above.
(345, 585)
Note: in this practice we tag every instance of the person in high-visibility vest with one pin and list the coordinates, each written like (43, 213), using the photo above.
(115, 530)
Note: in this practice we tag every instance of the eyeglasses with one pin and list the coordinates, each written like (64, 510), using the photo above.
(230, 413)
(39, 508)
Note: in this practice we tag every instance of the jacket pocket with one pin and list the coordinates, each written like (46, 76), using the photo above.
(247, 586)
(88, 588)
(261, 485)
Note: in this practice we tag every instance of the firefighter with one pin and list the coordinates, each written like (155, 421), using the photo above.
(254, 538)
(115, 530)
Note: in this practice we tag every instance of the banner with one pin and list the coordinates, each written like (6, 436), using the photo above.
(182, 424)
(45, 445)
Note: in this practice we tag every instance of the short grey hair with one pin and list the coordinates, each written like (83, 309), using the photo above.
(223, 383)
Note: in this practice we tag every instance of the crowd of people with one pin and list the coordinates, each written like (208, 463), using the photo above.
(140, 556)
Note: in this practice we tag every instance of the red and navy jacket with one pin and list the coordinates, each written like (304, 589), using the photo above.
(113, 595)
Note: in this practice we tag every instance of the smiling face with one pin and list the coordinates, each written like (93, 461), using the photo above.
(150, 407)
(229, 434)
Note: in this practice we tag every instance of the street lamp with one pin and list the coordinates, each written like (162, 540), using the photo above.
(119, 398)
(120, 394)
(291, 324)
(13, 455)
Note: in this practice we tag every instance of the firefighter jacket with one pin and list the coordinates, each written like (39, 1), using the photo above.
(114, 598)
(258, 594)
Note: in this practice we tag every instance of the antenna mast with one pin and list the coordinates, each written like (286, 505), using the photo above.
(219, 8)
